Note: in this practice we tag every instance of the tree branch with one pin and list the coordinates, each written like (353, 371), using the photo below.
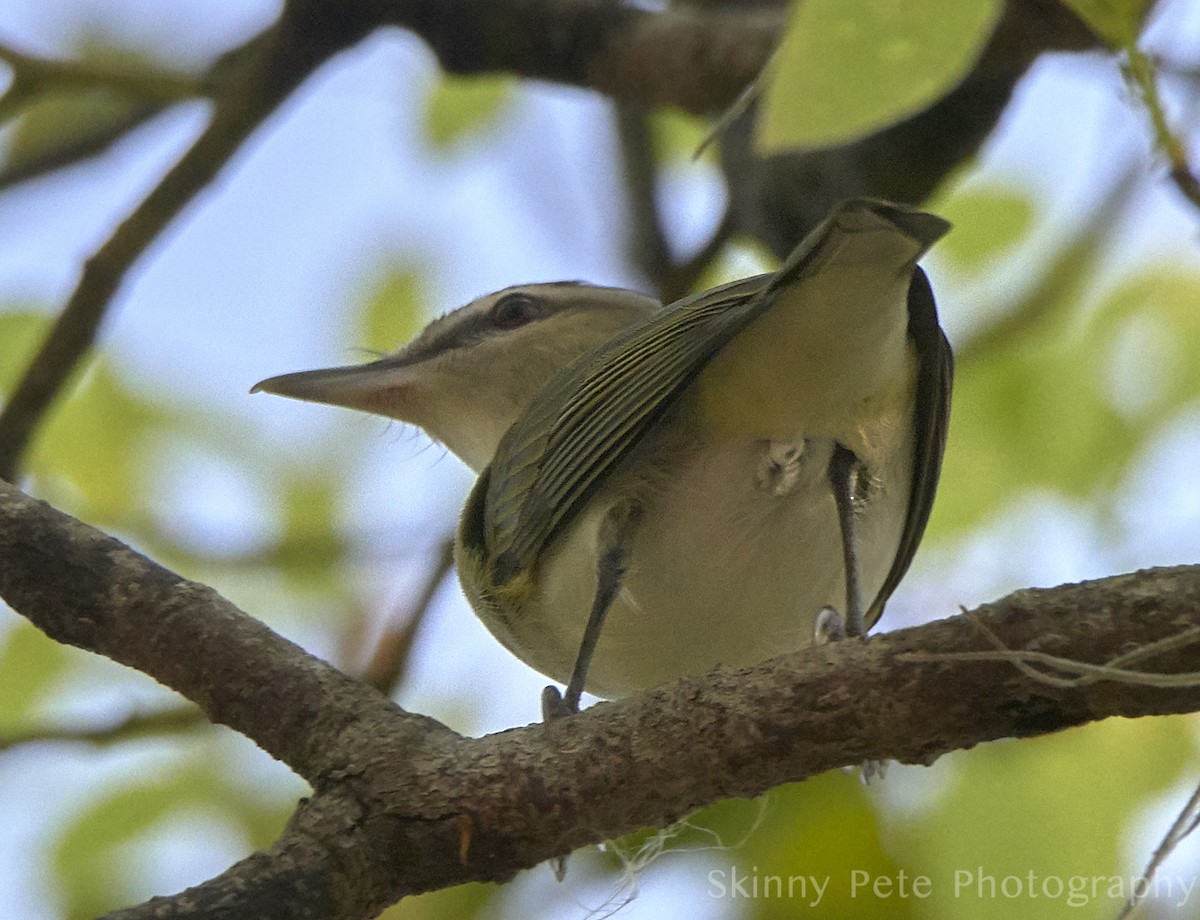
(248, 86)
(698, 60)
(402, 804)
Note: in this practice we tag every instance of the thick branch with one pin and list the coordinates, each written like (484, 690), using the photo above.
(86, 589)
(698, 60)
(404, 805)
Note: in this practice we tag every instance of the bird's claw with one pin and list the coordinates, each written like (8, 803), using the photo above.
(827, 627)
(554, 706)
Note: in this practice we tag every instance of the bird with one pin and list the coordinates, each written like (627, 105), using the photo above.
(664, 489)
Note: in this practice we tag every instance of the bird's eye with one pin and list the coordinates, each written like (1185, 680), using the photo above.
(516, 310)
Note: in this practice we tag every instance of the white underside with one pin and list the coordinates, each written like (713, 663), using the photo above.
(727, 567)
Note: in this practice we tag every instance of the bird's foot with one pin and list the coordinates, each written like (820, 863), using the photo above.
(554, 706)
(827, 627)
(830, 627)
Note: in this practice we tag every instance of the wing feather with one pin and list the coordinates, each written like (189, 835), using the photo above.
(931, 419)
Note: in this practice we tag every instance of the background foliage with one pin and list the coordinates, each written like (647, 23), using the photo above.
(387, 193)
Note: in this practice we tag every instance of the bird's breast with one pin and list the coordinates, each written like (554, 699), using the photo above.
(737, 549)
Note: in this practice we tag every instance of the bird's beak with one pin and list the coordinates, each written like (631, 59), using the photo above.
(377, 387)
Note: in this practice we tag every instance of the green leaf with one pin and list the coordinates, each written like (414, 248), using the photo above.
(1059, 807)
(1117, 22)
(311, 550)
(677, 135)
(95, 443)
(848, 68)
(1065, 402)
(393, 310)
(461, 902)
(458, 107)
(988, 223)
(31, 665)
(60, 119)
(21, 332)
(817, 833)
(91, 858)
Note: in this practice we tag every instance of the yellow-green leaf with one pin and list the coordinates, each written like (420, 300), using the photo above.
(988, 222)
(91, 856)
(1117, 22)
(31, 664)
(393, 310)
(58, 120)
(95, 441)
(848, 68)
(461, 106)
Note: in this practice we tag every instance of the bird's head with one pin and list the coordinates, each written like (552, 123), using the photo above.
(470, 373)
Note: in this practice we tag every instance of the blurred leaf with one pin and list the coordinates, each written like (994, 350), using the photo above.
(314, 552)
(459, 903)
(394, 309)
(461, 106)
(21, 332)
(65, 118)
(1041, 407)
(1117, 22)
(1057, 807)
(848, 68)
(261, 814)
(31, 665)
(988, 222)
(678, 135)
(95, 440)
(819, 832)
(741, 257)
(798, 844)
(91, 856)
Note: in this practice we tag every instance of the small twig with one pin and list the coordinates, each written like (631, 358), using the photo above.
(1141, 75)
(81, 149)
(1023, 659)
(651, 252)
(389, 663)
(1185, 822)
(136, 725)
(739, 105)
(251, 88)
(82, 74)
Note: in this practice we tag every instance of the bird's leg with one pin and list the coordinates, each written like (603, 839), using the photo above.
(610, 572)
(844, 470)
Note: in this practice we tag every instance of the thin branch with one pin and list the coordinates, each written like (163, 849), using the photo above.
(1141, 74)
(249, 87)
(403, 805)
(134, 726)
(80, 149)
(389, 662)
(696, 59)
(1184, 824)
(651, 252)
(82, 74)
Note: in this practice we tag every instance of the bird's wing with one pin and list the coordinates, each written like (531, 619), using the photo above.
(931, 418)
(589, 417)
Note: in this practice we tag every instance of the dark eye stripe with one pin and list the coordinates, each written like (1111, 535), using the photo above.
(517, 309)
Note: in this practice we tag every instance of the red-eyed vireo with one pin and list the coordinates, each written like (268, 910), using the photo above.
(663, 489)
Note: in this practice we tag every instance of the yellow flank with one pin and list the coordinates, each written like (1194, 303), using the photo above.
(515, 592)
